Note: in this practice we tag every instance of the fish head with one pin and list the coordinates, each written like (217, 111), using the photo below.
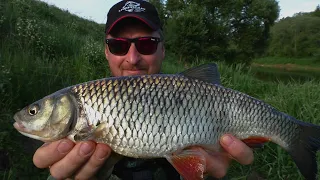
(48, 119)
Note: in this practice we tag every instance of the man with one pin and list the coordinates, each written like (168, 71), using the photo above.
(134, 45)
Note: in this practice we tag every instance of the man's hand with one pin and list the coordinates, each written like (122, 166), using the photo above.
(83, 160)
(67, 159)
(217, 164)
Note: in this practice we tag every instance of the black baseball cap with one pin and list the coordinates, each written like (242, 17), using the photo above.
(139, 9)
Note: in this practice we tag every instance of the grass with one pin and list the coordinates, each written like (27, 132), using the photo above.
(66, 50)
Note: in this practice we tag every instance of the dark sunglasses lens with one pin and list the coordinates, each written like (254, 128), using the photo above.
(118, 46)
(146, 46)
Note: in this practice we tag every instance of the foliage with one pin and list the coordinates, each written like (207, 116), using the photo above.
(250, 24)
(316, 12)
(234, 31)
(41, 28)
(190, 41)
(296, 36)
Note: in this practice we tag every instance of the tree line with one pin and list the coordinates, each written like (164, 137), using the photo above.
(297, 36)
(235, 31)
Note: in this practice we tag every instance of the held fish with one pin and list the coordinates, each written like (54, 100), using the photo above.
(163, 115)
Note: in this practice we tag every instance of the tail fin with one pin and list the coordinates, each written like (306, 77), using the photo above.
(304, 151)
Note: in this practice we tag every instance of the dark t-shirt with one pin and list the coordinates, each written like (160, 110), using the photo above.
(150, 169)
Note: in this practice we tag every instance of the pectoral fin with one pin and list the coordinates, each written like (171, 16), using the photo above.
(91, 133)
(189, 163)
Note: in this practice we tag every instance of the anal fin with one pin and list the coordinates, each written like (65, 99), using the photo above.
(189, 163)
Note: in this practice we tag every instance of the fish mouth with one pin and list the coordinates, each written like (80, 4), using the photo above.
(24, 131)
(18, 124)
(20, 127)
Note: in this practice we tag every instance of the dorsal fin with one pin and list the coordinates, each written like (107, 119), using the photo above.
(205, 72)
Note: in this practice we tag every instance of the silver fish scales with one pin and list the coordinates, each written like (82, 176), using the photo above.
(164, 115)
(152, 116)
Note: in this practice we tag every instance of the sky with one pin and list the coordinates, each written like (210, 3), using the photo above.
(96, 10)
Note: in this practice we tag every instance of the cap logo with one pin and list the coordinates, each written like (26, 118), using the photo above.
(131, 6)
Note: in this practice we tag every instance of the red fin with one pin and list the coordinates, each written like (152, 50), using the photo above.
(189, 163)
(256, 142)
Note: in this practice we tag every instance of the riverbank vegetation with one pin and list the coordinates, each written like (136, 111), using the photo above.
(44, 49)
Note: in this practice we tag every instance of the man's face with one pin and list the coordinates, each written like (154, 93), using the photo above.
(134, 63)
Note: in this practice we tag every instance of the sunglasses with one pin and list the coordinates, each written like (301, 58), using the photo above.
(144, 45)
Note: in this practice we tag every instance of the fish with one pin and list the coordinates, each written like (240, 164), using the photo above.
(167, 116)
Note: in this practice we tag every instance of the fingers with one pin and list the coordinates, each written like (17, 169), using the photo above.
(101, 153)
(217, 164)
(73, 161)
(49, 154)
(66, 159)
(237, 149)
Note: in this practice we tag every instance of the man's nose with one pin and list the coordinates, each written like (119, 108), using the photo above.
(133, 55)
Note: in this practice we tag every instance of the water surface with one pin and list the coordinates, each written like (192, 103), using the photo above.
(285, 75)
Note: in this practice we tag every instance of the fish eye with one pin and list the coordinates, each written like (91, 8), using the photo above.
(33, 110)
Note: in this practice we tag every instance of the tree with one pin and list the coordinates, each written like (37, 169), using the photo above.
(173, 6)
(250, 26)
(296, 36)
(186, 33)
(317, 11)
(233, 29)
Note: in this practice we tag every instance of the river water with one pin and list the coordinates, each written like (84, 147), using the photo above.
(284, 75)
